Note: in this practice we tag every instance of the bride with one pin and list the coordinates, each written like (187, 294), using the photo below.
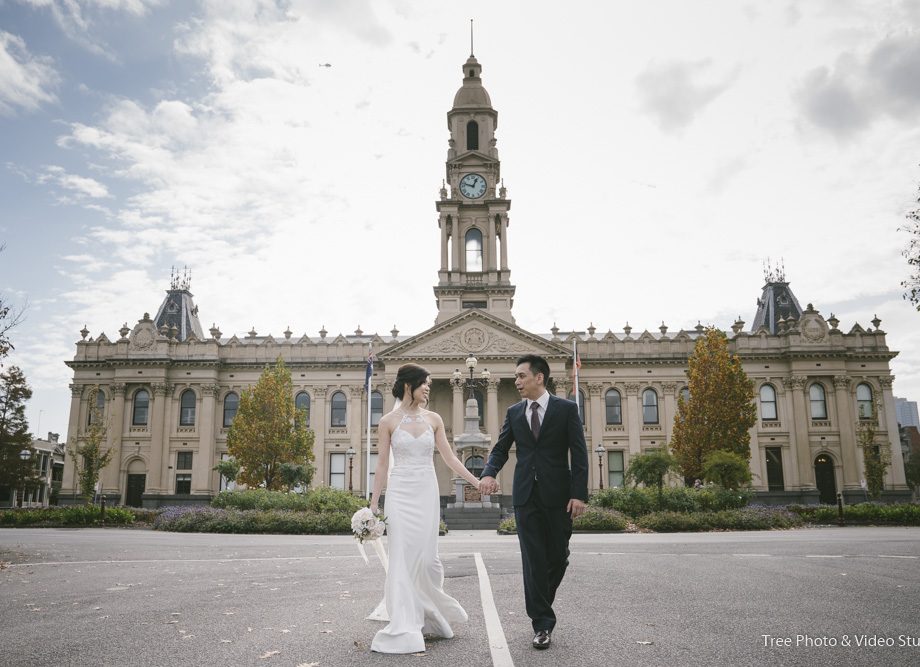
(414, 599)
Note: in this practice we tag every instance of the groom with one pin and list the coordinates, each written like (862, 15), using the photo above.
(547, 495)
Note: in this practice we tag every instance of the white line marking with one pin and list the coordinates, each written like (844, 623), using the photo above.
(824, 556)
(501, 656)
(911, 557)
(752, 555)
(176, 560)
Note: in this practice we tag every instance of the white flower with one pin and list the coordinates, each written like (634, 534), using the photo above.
(366, 526)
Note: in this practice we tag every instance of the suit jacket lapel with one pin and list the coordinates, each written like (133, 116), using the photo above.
(551, 407)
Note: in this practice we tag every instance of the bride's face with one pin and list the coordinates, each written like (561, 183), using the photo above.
(420, 395)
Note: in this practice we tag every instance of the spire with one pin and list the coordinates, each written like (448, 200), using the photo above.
(471, 38)
(178, 310)
(777, 303)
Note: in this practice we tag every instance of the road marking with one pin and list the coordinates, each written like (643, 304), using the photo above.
(752, 555)
(824, 556)
(911, 557)
(178, 560)
(501, 656)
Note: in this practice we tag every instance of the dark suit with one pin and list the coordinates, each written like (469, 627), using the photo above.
(543, 486)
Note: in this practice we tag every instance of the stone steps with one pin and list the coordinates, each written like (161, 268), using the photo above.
(472, 518)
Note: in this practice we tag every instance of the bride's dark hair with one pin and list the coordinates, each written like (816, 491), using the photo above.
(413, 375)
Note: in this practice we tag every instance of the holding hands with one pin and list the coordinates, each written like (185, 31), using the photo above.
(488, 486)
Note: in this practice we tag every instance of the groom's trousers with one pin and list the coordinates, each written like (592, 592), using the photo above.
(543, 533)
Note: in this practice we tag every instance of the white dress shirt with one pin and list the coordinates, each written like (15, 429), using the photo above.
(543, 401)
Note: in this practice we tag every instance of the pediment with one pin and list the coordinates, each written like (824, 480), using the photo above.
(477, 333)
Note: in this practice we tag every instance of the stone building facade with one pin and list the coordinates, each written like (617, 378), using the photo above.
(169, 392)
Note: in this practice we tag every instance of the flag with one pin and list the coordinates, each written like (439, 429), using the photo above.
(369, 371)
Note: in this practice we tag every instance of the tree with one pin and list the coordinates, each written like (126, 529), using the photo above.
(912, 471)
(90, 459)
(268, 431)
(8, 319)
(650, 469)
(876, 458)
(912, 255)
(726, 469)
(229, 469)
(720, 411)
(15, 472)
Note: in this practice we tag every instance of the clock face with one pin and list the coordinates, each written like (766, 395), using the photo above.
(473, 186)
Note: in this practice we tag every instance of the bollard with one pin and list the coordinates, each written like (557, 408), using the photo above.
(102, 511)
(840, 509)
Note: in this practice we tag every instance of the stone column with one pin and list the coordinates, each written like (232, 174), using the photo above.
(598, 421)
(796, 386)
(492, 425)
(457, 408)
(70, 485)
(203, 478)
(455, 246)
(159, 438)
(504, 243)
(357, 431)
(115, 428)
(633, 418)
(669, 408)
(895, 475)
(445, 234)
(319, 419)
(491, 247)
(848, 449)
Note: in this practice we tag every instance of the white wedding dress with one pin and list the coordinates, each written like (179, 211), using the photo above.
(414, 600)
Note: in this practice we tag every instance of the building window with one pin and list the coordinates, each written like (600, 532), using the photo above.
(615, 468)
(231, 406)
(183, 484)
(864, 406)
(775, 469)
(339, 408)
(141, 408)
(302, 402)
(581, 404)
(337, 471)
(818, 404)
(768, 403)
(474, 250)
(376, 407)
(187, 408)
(184, 461)
(649, 407)
(98, 407)
(475, 464)
(614, 406)
(472, 136)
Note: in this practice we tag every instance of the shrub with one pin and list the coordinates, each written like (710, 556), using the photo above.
(320, 499)
(196, 519)
(600, 519)
(747, 518)
(636, 502)
(901, 514)
(73, 515)
(508, 525)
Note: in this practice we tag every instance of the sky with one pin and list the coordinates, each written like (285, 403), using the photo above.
(657, 154)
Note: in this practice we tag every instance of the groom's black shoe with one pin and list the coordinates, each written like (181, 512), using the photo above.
(541, 639)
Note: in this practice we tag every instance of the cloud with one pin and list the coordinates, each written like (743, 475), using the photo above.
(673, 93)
(26, 81)
(80, 186)
(858, 90)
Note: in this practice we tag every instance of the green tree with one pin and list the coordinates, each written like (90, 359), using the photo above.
(229, 469)
(912, 471)
(912, 255)
(720, 410)
(726, 469)
(650, 469)
(15, 472)
(876, 458)
(90, 459)
(268, 431)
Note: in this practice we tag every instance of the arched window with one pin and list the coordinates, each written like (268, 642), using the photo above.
(768, 402)
(614, 406)
(187, 408)
(141, 408)
(474, 250)
(376, 407)
(339, 407)
(302, 402)
(649, 407)
(864, 407)
(581, 404)
(231, 405)
(475, 465)
(472, 136)
(97, 407)
(818, 402)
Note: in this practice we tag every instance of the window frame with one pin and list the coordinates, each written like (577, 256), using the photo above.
(618, 419)
(817, 402)
(188, 414)
(772, 402)
(135, 407)
(647, 406)
(338, 415)
(225, 421)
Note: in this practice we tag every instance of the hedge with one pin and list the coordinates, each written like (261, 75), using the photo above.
(197, 519)
(638, 501)
(71, 515)
(594, 519)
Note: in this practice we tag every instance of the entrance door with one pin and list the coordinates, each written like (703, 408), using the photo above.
(136, 485)
(824, 479)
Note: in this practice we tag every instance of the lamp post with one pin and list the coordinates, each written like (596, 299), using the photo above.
(600, 464)
(471, 382)
(25, 455)
(350, 453)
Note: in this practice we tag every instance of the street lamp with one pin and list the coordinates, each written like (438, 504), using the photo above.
(350, 453)
(471, 382)
(25, 455)
(600, 464)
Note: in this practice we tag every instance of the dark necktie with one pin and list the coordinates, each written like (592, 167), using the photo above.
(535, 419)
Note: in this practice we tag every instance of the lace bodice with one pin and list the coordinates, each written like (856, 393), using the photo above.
(413, 443)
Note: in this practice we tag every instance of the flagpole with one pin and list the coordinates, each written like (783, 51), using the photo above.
(575, 393)
(367, 466)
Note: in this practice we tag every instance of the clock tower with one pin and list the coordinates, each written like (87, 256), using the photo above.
(473, 209)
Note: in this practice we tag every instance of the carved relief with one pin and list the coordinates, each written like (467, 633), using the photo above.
(813, 328)
(842, 381)
(668, 387)
(472, 340)
(595, 388)
(632, 389)
(143, 336)
(118, 388)
(795, 382)
(886, 381)
(76, 390)
(210, 389)
(161, 388)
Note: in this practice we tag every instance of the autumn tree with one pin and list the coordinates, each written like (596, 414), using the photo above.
(15, 472)
(269, 432)
(91, 459)
(912, 255)
(720, 410)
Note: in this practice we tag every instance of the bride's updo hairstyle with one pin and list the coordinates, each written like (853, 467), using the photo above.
(411, 374)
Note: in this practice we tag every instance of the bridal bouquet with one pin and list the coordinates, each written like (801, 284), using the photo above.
(366, 526)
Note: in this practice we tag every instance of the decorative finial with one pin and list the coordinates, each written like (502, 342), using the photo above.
(627, 329)
(288, 333)
(394, 332)
(84, 332)
(215, 332)
(663, 328)
(323, 332)
(471, 38)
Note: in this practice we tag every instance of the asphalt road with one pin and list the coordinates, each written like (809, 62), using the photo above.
(138, 597)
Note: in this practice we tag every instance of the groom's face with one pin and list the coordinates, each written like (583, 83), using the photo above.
(529, 385)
